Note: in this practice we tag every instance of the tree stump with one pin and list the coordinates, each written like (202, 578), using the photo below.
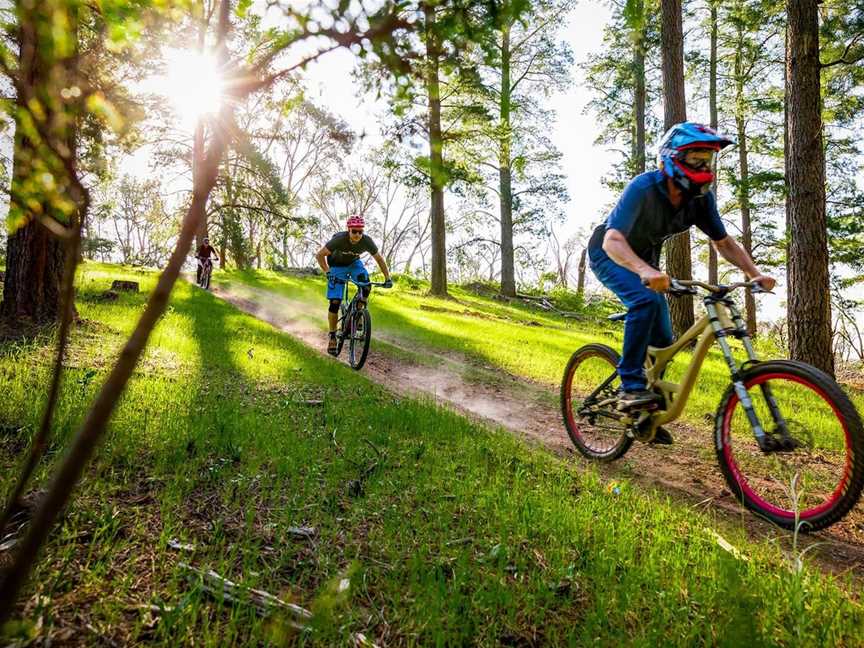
(126, 286)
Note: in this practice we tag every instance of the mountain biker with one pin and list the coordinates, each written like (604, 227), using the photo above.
(339, 258)
(203, 256)
(624, 251)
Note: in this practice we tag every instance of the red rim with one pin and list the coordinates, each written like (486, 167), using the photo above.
(742, 482)
(571, 422)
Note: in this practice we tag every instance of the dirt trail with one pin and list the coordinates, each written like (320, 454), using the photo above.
(686, 470)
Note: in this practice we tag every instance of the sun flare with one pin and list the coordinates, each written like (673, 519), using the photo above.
(193, 84)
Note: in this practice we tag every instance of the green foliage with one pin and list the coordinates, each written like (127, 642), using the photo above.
(611, 76)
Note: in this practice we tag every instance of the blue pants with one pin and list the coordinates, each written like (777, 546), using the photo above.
(357, 271)
(647, 320)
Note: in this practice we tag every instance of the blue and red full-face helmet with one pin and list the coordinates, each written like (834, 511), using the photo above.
(673, 153)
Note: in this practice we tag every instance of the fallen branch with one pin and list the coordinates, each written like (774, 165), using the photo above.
(543, 302)
(224, 589)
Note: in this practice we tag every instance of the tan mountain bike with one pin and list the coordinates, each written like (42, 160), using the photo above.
(788, 439)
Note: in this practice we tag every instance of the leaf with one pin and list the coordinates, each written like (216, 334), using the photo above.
(243, 8)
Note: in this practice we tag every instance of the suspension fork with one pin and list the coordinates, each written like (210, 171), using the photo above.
(767, 392)
(737, 381)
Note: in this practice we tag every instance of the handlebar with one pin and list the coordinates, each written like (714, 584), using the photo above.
(363, 284)
(689, 286)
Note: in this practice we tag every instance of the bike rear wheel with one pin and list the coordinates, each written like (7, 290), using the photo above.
(589, 394)
(816, 482)
(360, 331)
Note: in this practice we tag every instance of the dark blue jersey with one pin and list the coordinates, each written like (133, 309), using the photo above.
(646, 218)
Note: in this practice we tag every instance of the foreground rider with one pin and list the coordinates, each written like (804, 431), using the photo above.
(625, 250)
(203, 256)
(340, 259)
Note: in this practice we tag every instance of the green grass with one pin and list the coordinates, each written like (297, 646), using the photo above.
(505, 336)
(449, 533)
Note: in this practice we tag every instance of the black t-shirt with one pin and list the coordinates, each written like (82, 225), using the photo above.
(344, 253)
(205, 251)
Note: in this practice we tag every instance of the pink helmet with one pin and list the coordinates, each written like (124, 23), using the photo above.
(355, 221)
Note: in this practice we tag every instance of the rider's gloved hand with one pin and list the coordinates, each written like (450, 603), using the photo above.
(388, 282)
(656, 280)
(766, 282)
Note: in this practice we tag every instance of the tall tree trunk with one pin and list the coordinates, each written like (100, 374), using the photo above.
(198, 153)
(744, 172)
(713, 277)
(35, 257)
(436, 158)
(508, 281)
(580, 277)
(678, 262)
(744, 200)
(809, 305)
(639, 94)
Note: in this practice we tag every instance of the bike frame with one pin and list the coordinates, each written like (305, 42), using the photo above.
(348, 307)
(206, 266)
(722, 319)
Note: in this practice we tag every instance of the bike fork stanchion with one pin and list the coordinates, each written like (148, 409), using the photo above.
(737, 382)
(768, 394)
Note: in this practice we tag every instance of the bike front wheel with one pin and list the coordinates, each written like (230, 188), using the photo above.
(589, 395)
(360, 331)
(816, 474)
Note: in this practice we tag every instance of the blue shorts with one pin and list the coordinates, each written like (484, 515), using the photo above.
(357, 271)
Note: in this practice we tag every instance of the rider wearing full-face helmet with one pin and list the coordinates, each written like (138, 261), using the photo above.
(339, 258)
(624, 251)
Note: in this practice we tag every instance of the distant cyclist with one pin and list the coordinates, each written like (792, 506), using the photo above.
(340, 259)
(625, 250)
(203, 257)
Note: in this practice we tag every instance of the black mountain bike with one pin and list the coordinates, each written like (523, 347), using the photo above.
(355, 324)
(206, 271)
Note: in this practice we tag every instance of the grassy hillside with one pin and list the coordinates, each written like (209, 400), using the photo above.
(429, 530)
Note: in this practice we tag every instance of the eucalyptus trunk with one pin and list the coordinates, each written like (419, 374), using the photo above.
(744, 173)
(580, 277)
(639, 93)
(808, 303)
(508, 281)
(713, 275)
(678, 261)
(436, 158)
